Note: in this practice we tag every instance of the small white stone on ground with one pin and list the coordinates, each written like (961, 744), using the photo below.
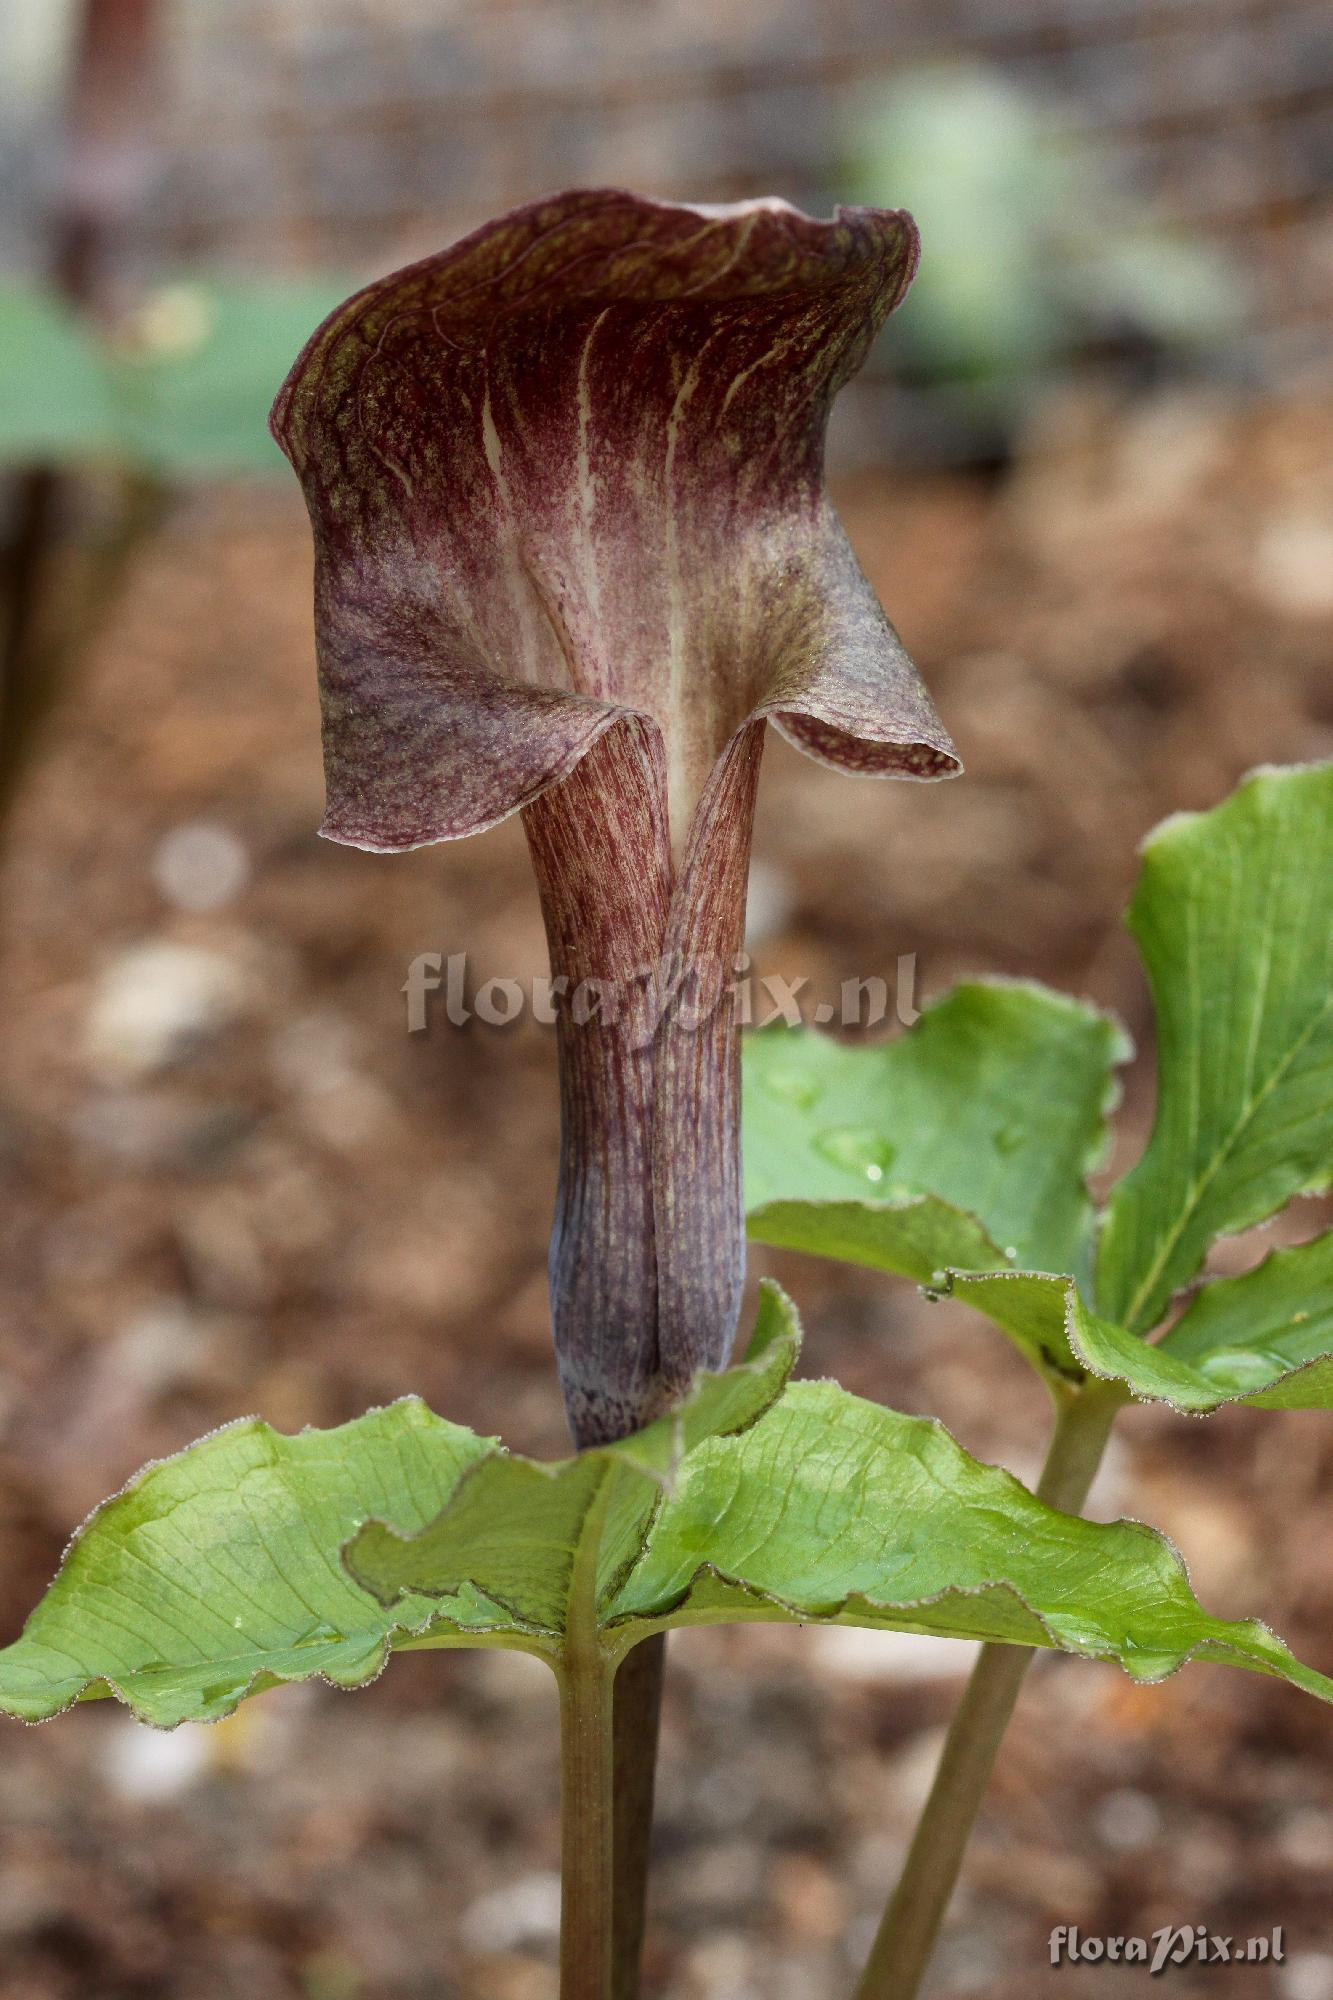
(200, 867)
(147, 1765)
(1127, 1821)
(721, 1968)
(524, 1912)
(160, 1346)
(1305, 1838)
(156, 1003)
(899, 1657)
(1307, 1975)
(911, 1773)
(1293, 567)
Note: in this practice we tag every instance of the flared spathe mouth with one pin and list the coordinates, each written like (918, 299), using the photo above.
(573, 552)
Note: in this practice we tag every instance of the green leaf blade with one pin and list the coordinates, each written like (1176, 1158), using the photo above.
(1284, 1305)
(1234, 916)
(1265, 1339)
(820, 1507)
(832, 1509)
(182, 388)
(512, 1522)
(217, 1571)
(994, 1103)
(1033, 1308)
(919, 1239)
(221, 1572)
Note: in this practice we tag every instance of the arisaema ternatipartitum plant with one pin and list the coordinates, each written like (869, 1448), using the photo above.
(573, 557)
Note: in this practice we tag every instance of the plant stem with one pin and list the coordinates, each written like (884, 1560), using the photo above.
(638, 1711)
(586, 1828)
(906, 1936)
(587, 1833)
(39, 662)
(101, 167)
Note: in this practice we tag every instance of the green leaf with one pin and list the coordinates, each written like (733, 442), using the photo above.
(922, 1239)
(56, 402)
(1032, 1307)
(994, 1102)
(826, 1508)
(1284, 1305)
(1234, 915)
(833, 1509)
(1265, 1338)
(977, 1128)
(217, 1573)
(183, 386)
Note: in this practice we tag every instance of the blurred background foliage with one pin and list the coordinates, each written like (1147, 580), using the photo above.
(1037, 262)
(1140, 189)
(1089, 470)
(179, 387)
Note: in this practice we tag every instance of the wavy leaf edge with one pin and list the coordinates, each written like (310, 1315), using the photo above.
(96, 1687)
(1080, 1319)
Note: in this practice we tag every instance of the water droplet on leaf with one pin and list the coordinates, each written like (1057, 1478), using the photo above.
(858, 1149)
(1241, 1368)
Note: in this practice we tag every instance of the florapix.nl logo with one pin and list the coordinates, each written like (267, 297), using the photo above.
(1164, 1950)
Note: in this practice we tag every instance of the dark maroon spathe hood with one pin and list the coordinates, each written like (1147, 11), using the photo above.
(573, 550)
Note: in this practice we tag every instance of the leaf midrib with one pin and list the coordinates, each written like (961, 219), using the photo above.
(1206, 1176)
